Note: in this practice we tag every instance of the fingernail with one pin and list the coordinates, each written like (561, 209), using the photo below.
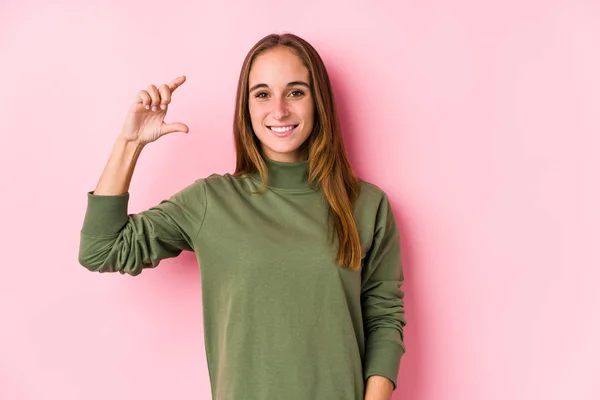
(163, 106)
(153, 108)
(147, 107)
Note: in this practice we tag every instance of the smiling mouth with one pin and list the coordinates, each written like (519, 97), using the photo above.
(282, 129)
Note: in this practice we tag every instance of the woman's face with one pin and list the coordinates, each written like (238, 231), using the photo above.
(280, 103)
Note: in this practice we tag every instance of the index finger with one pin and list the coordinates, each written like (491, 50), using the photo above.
(175, 83)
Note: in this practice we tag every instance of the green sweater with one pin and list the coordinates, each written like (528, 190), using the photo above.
(281, 320)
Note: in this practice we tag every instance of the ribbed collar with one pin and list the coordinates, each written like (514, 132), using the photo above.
(286, 175)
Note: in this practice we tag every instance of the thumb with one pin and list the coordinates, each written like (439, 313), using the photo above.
(174, 127)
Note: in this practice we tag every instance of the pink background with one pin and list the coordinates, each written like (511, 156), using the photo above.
(479, 119)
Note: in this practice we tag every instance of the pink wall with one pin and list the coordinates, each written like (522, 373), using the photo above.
(480, 121)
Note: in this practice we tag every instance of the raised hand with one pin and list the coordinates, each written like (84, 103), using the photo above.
(145, 120)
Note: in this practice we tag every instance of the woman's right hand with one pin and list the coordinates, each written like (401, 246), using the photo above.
(145, 120)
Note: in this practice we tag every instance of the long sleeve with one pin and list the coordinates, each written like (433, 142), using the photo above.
(113, 241)
(382, 298)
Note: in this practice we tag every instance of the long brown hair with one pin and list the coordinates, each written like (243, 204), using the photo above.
(327, 161)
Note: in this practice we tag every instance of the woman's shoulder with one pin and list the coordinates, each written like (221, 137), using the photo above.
(225, 181)
(225, 177)
(371, 192)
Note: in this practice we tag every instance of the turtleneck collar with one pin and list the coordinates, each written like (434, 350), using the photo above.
(286, 175)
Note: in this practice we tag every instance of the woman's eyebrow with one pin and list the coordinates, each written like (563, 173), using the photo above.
(294, 83)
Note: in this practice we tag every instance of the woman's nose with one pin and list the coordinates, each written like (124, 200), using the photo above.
(280, 109)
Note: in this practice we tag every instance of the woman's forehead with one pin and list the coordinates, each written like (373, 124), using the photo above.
(277, 67)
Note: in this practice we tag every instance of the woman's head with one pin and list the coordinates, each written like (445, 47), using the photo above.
(280, 103)
(283, 82)
(284, 85)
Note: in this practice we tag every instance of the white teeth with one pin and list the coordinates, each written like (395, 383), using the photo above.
(282, 129)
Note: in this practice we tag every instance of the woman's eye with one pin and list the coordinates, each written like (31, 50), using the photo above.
(293, 93)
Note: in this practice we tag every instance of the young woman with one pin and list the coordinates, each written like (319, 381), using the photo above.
(299, 259)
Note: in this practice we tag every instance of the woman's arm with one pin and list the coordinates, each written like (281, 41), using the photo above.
(116, 177)
(378, 388)
(111, 240)
(382, 299)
